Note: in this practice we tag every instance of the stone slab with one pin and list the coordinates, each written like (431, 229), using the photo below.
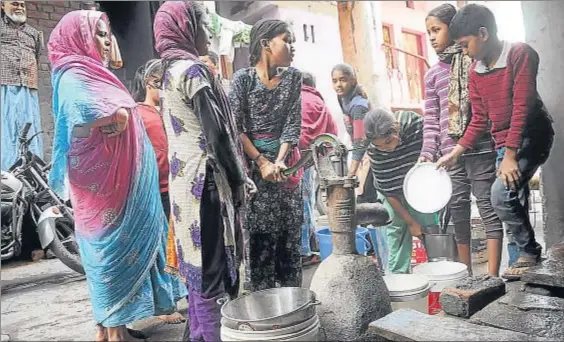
(526, 313)
(550, 273)
(528, 301)
(411, 325)
(470, 295)
(543, 290)
(556, 252)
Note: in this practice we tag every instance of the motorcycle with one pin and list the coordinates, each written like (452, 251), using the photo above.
(25, 191)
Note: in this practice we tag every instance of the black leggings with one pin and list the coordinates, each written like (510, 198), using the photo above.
(215, 272)
(165, 200)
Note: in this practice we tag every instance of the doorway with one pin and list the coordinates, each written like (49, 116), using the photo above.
(414, 67)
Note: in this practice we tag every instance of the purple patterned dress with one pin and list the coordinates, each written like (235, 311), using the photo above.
(203, 171)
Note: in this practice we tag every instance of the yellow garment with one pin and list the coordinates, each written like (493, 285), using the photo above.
(116, 62)
(171, 256)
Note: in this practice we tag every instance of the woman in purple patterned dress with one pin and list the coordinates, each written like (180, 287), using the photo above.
(207, 177)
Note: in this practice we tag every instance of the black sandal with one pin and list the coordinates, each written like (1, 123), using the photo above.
(137, 334)
(132, 332)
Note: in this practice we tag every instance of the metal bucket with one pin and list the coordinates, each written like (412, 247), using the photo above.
(270, 309)
(440, 247)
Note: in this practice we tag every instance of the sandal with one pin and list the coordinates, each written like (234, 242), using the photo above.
(522, 266)
(132, 332)
(137, 334)
(175, 318)
(310, 260)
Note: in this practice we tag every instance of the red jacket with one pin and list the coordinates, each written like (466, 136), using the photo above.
(155, 130)
(506, 96)
(316, 117)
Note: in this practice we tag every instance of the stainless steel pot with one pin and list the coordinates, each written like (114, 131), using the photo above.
(269, 309)
(440, 247)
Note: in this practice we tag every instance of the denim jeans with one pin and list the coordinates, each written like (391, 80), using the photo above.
(510, 204)
(512, 249)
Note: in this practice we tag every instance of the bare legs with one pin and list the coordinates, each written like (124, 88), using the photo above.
(494, 249)
(465, 256)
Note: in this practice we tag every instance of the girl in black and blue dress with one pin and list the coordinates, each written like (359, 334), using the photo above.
(266, 102)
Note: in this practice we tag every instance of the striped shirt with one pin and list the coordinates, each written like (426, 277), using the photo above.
(507, 96)
(389, 168)
(436, 141)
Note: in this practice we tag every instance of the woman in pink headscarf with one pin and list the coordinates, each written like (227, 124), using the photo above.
(207, 177)
(101, 147)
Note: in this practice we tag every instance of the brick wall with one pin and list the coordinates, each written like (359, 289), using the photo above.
(44, 16)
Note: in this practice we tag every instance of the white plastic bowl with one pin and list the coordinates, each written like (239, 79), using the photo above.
(426, 188)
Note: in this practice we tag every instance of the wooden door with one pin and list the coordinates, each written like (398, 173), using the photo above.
(414, 67)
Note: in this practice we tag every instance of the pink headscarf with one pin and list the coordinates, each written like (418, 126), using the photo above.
(175, 30)
(72, 39)
(71, 46)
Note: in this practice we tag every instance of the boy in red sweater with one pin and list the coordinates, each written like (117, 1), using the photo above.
(503, 96)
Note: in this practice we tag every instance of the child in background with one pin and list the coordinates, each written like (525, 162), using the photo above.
(503, 90)
(354, 104)
(212, 61)
(316, 120)
(145, 92)
(447, 114)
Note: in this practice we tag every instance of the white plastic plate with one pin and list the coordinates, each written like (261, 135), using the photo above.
(427, 189)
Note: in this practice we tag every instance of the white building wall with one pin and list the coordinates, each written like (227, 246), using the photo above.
(320, 57)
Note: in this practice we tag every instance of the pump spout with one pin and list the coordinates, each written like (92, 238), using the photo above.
(372, 213)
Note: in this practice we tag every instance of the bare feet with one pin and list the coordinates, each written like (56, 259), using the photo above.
(311, 259)
(100, 334)
(37, 255)
(175, 318)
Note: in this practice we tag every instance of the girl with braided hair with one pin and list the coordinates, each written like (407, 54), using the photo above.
(266, 101)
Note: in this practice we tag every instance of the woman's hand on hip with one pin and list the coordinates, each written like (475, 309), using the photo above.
(119, 124)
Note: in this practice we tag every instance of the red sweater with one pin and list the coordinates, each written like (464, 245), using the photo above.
(506, 95)
(316, 118)
(157, 134)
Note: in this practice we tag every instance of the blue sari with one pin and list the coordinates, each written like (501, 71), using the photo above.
(120, 224)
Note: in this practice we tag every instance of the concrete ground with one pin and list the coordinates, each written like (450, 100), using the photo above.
(47, 301)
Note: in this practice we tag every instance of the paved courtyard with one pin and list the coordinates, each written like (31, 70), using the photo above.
(47, 301)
